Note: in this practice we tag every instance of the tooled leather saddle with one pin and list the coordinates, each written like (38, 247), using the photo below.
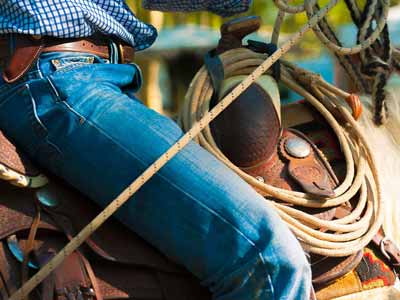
(252, 134)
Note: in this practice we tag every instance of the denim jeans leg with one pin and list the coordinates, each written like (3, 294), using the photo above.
(195, 210)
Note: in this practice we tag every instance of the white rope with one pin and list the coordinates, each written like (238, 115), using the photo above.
(309, 6)
(344, 236)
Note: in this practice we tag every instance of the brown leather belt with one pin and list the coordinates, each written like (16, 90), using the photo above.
(28, 49)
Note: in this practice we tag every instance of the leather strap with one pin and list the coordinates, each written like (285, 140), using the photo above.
(30, 246)
(389, 250)
(268, 48)
(8, 264)
(28, 49)
(313, 173)
(71, 279)
(216, 72)
(327, 269)
(68, 228)
(92, 277)
(96, 47)
(48, 285)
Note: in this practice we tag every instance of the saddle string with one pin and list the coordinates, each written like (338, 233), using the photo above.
(29, 246)
(169, 154)
(343, 236)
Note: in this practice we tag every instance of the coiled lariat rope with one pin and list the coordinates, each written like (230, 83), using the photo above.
(342, 236)
(262, 67)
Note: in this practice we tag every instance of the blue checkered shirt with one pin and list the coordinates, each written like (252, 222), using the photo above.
(80, 18)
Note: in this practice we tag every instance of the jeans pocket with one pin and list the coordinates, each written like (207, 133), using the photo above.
(69, 63)
(62, 101)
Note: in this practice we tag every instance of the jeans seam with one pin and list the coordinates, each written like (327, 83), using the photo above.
(35, 115)
(213, 212)
(59, 100)
(267, 272)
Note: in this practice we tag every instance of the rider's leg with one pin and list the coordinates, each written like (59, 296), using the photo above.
(78, 124)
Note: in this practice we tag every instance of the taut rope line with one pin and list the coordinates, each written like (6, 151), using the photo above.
(163, 159)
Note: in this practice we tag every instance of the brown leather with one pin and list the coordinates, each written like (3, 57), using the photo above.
(115, 247)
(234, 31)
(92, 277)
(96, 47)
(353, 100)
(328, 269)
(125, 268)
(4, 53)
(313, 173)
(250, 136)
(30, 246)
(8, 268)
(248, 131)
(286, 172)
(70, 277)
(28, 49)
(389, 250)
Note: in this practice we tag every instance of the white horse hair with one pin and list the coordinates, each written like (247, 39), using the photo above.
(385, 144)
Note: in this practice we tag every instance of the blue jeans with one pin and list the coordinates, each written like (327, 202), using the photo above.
(79, 119)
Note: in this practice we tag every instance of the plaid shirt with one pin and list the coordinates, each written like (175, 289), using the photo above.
(80, 18)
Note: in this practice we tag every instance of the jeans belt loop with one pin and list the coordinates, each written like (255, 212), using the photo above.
(114, 52)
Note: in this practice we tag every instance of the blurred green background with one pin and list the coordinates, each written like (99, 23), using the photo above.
(263, 8)
(171, 63)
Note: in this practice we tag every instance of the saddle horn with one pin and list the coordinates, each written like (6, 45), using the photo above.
(249, 132)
